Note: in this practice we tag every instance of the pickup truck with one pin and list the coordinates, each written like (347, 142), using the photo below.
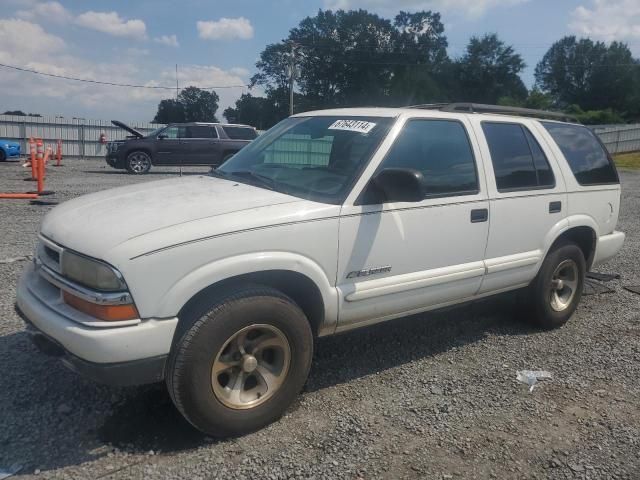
(331, 220)
(177, 144)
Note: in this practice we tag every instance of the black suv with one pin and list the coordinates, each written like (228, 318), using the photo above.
(177, 144)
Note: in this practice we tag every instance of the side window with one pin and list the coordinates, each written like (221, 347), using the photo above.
(201, 131)
(240, 133)
(170, 132)
(589, 161)
(440, 149)
(518, 161)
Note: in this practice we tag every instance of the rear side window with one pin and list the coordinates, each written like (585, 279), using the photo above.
(589, 161)
(518, 161)
(240, 133)
(440, 149)
(201, 131)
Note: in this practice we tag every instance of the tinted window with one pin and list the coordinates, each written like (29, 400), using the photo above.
(587, 158)
(540, 162)
(518, 161)
(174, 132)
(240, 133)
(201, 131)
(440, 149)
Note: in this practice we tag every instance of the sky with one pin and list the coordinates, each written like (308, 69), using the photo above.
(216, 43)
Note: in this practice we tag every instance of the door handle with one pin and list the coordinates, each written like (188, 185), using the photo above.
(479, 215)
(555, 207)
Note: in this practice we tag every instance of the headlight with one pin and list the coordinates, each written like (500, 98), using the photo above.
(91, 273)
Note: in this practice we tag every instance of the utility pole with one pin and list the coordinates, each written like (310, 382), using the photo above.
(176, 81)
(292, 75)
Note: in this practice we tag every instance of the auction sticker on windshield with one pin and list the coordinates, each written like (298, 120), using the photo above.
(359, 126)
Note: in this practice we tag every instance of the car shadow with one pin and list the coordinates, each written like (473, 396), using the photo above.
(52, 418)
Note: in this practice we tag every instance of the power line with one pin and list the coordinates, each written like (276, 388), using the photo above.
(112, 84)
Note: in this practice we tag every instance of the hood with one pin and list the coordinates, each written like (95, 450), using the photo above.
(126, 127)
(11, 143)
(96, 223)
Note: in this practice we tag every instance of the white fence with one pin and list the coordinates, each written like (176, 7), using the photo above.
(80, 137)
(619, 138)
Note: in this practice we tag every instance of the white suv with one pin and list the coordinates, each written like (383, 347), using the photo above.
(332, 220)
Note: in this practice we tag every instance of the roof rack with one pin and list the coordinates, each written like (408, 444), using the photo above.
(497, 109)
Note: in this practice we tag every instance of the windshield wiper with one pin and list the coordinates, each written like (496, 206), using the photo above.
(263, 180)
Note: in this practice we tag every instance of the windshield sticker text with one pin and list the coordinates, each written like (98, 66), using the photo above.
(359, 126)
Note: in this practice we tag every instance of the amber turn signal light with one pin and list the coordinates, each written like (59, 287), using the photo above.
(109, 313)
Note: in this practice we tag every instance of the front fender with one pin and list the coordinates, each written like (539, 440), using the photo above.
(194, 282)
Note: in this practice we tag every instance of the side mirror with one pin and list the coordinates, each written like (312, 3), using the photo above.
(162, 136)
(400, 184)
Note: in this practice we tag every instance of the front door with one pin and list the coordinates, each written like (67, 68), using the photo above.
(400, 258)
(170, 147)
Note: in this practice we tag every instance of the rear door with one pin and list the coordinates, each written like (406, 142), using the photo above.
(202, 145)
(527, 196)
(169, 147)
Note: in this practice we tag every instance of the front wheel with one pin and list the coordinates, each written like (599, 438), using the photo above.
(3, 155)
(556, 291)
(242, 362)
(138, 163)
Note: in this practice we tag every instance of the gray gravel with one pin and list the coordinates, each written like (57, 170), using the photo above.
(429, 396)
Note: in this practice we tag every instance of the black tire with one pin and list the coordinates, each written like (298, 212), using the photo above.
(138, 162)
(549, 302)
(189, 375)
(3, 155)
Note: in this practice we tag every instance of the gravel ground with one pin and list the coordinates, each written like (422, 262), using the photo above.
(429, 396)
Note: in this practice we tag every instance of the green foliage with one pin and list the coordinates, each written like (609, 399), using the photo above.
(595, 117)
(489, 70)
(590, 74)
(20, 113)
(193, 105)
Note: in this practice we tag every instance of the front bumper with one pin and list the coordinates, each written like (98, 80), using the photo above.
(116, 355)
(113, 160)
(122, 374)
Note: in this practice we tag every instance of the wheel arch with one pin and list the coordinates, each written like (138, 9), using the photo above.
(582, 232)
(296, 276)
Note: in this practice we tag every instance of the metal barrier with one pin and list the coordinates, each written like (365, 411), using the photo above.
(80, 137)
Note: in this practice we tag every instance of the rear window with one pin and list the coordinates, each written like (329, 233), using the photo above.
(589, 161)
(240, 133)
(518, 161)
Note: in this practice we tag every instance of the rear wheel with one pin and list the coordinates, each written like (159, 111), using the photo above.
(3, 155)
(242, 362)
(555, 293)
(138, 162)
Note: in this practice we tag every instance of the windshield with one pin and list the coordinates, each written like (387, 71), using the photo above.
(317, 158)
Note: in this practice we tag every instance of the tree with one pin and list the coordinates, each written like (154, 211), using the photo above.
(259, 112)
(589, 74)
(489, 70)
(20, 113)
(169, 111)
(193, 105)
(353, 58)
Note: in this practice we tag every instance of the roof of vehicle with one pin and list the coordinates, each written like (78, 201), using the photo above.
(450, 110)
(211, 124)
